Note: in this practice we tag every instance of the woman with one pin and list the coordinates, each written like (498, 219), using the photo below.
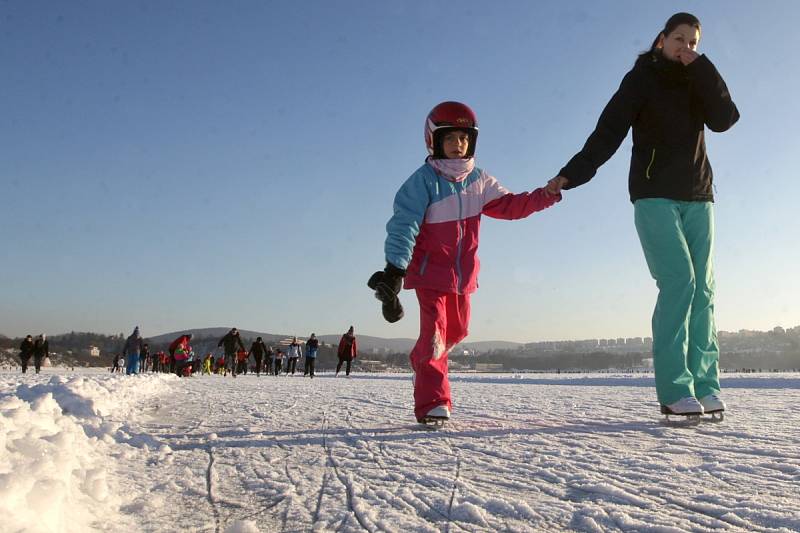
(668, 98)
(348, 349)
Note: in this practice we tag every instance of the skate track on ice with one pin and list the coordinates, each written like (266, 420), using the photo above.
(536, 453)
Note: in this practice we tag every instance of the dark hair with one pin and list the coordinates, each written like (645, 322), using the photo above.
(674, 21)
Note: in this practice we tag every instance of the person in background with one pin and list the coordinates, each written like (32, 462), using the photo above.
(179, 351)
(241, 362)
(257, 350)
(208, 361)
(269, 358)
(131, 351)
(230, 342)
(221, 367)
(163, 361)
(292, 355)
(25, 352)
(312, 346)
(194, 362)
(145, 358)
(40, 351)
(348, 349)
(278, 361)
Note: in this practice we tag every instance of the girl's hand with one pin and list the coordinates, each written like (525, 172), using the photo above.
(686, 56)
(554, 185)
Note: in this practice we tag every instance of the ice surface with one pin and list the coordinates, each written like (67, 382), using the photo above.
(96, 451)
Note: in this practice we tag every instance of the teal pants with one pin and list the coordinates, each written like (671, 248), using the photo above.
(678, 240)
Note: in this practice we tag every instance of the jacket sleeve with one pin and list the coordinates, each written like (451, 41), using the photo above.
(612, 128)
(355, 348)
(410, 204)
(500, 203)
(719, 111)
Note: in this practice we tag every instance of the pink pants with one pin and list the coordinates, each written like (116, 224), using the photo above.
(444, 319)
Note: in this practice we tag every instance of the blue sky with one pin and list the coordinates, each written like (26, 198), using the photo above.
(195, 164)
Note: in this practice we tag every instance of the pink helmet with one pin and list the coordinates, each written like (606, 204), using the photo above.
(449, 116)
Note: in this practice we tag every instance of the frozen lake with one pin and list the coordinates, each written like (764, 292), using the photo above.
(582, 452)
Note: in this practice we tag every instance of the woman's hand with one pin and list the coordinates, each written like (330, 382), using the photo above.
(555, 185)
(686, 55)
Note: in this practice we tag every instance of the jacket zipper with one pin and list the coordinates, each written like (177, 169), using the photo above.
(652, 158)
(460, 239)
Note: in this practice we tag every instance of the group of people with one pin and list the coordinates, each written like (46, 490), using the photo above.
(181, 359)
(668, 98)
(37, 349)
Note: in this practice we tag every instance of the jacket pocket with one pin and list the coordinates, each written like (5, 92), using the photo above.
(424, 264)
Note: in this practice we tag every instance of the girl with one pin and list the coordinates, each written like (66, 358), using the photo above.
(669, 97)
(432, 243)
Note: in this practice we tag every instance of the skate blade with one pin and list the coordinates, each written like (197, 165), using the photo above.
(681, 420)
(715, 418)
(433, 422)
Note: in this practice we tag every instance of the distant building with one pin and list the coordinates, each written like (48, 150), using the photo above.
(488, 367)
(454, 366)
(368, 365)
(94, 351)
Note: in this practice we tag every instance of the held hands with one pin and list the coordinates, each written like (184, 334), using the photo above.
(387, 284)
(555, 185)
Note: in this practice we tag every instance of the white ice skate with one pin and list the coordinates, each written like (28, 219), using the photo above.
(687, 407)
(714, 406)
(436, 416)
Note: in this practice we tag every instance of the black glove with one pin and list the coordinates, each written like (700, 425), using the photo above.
(387, 284)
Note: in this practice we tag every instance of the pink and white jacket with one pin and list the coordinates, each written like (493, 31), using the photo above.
(433, 233)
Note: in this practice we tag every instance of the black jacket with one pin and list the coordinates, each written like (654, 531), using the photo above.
(26, 349)
(668, 105)
(40, 349)
(230, 341)
(258, 349)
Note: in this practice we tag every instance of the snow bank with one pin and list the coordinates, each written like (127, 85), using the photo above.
(55, 448)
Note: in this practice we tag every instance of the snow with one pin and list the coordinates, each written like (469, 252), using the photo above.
(95, 451)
